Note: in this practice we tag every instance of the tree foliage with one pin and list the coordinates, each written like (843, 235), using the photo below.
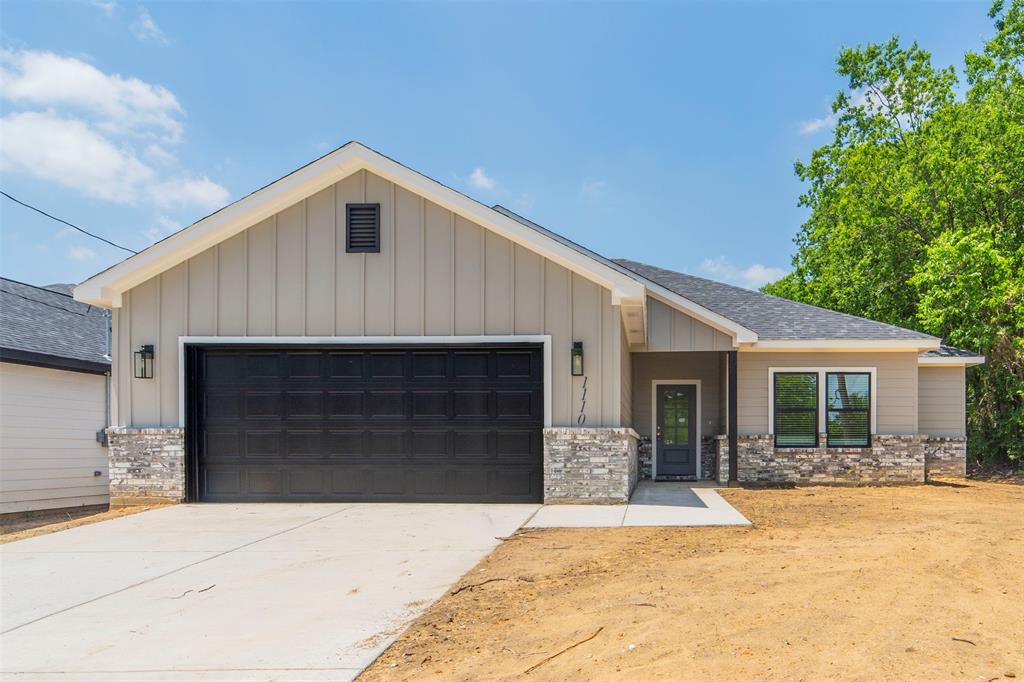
(917, 212)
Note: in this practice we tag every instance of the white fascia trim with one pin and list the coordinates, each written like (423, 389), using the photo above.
(821, 372)
(739, 333)
(104, 289)
(843, 345)
(951, 361)
(654, 420)
(544, 339)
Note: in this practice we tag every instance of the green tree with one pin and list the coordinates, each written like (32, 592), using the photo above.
(917, 212)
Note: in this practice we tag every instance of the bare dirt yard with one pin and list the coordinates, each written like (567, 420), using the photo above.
(910, 583)
(29, 525)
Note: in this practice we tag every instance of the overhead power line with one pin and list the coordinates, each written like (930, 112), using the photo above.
(59, 220)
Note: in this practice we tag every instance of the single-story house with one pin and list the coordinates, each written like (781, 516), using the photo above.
(54, 370)
(359, 331)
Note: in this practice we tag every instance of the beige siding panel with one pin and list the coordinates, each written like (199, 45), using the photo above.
(897, 386)
(499, 292)
(261, 273)
(144, 325)
(202, 293)
(320, 263)
(469, 277)
(350, 266)
(942, 401)
(529, 298)
(702, 365)
(437, 274)
(232, 286)
(409, 256)
(626, 380)
(437, 270)
(291, 276)
(669, 329)
(586, 327)
(48, 449)
(558, 323)
(380, 281)
(173, 312)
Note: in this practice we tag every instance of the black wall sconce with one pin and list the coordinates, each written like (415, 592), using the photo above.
(144, 362)
(577, 358)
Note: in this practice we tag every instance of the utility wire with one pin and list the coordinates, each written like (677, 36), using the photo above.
(59, 220)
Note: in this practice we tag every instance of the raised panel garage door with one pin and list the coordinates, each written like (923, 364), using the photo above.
(366, 423)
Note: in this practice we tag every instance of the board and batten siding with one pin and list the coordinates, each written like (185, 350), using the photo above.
(671, 330)
(48, 449)
(437, 275)
(896, 378)
(942, 400)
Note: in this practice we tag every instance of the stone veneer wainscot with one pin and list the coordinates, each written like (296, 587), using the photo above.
(146, 464)
(589, 465)
(946, 457)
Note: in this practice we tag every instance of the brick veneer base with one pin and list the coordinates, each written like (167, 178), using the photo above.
(889, 460)
(945, 457)
(589, 465)
(147, 464)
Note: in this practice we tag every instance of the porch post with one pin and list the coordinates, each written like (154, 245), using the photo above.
(731, 418)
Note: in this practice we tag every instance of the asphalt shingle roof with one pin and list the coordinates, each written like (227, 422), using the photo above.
(949, 352)
(41, 320)
(770, 317)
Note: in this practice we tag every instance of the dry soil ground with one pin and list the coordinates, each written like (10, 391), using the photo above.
(913, 583)
(20, 526)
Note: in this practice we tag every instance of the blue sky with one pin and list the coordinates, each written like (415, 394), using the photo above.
(663, 132)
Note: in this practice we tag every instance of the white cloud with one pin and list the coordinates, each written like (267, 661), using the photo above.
(81, 253)
(161, 227)
(71, 153)
(750, 277)
(104, 135)
(107, 7)
(119, 105)
(857, 98)
(481, 180)
(593, 191)
(202, 192)
(146, 29)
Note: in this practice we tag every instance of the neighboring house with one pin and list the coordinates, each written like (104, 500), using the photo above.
(358, 331)
(53, 399)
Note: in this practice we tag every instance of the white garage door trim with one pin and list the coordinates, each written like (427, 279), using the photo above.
(544, 339)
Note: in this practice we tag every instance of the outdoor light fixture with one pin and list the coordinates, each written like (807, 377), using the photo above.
(577, 358)
(144, 362)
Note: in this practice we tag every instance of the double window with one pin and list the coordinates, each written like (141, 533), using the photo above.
(798, 405)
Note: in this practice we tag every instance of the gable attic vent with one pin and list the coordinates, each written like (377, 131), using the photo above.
(362, 228)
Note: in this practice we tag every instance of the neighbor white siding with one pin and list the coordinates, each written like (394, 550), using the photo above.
(48, 449)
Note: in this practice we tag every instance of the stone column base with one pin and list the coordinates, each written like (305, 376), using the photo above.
(589, 465)
(147, 465)
(945, 457)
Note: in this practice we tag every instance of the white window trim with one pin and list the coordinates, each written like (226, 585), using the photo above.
(821, 372)
(544, 339)
(654, 420)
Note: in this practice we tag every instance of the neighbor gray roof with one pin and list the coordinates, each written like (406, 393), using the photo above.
(950, 352)
(42, 326)
(770, 317)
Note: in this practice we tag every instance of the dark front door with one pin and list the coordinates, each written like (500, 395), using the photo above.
(366, 423)
(677, 430)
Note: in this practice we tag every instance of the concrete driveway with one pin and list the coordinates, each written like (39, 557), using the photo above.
(228, 592)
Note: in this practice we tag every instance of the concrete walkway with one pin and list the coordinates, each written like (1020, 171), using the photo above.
(234, 592)
(652, 504)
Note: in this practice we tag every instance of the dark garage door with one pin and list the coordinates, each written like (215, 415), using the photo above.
(366, 423)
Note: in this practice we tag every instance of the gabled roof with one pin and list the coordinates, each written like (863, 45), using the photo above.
(45, 327)
(106, 287)
(773, 318)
